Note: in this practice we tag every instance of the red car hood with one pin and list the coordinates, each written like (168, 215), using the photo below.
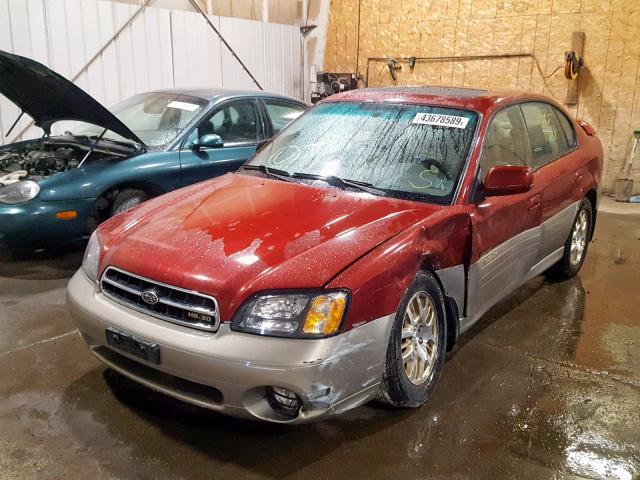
(235, 235)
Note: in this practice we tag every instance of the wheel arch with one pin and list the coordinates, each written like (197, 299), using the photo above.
(452, 312)
(104, 201)
(149, 187)
(592, 196)
(386, 272)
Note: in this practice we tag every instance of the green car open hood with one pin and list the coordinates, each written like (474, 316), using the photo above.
(48, 97)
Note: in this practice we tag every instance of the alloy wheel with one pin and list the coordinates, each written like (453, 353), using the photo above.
(419, 338)
(579, 238)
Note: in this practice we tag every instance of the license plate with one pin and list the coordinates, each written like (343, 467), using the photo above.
(133, 345)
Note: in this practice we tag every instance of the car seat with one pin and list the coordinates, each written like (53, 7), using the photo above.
(540, 147)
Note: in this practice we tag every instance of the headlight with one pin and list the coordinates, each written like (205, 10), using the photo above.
(91, 258)
(298, 315)
(19, 192)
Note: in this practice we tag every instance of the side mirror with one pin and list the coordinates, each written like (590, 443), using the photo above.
(507, 180)
(211, 140)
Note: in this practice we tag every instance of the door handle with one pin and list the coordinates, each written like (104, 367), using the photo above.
(579, 177)
(535, 202)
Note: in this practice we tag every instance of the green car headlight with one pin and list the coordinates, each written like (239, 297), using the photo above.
(19, 192)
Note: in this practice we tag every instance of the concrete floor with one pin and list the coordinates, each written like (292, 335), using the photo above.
(546, 386)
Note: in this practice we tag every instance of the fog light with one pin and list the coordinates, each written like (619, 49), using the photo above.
(283, 401)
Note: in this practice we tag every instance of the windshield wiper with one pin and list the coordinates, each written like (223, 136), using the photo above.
(102, 138)
(342, 182)
(272, 172)
(126, 143)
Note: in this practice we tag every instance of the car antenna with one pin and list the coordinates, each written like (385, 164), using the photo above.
(93, 145)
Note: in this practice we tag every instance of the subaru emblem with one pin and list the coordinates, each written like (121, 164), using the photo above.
(150, 297)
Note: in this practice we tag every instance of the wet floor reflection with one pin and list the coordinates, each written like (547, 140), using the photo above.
(59, 263)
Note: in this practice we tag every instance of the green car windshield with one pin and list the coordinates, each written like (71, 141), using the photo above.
(156, 118)
(407, 151)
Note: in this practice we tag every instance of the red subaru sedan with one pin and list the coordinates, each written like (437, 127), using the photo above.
(346, 257)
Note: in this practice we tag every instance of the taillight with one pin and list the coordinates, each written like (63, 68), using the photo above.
(589, 130)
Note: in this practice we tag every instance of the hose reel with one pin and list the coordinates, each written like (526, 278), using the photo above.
(572, 65)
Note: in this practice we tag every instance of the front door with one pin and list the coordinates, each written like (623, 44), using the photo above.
(240, 126)
(505, 229)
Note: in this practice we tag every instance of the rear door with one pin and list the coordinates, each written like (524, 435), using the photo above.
(239, 124)
(556, 162)
(505, 228)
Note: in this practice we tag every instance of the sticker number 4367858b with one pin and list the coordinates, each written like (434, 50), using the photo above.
(441, 120)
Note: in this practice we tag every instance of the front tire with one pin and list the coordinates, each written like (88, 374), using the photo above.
(575, 248)
(417, 345)
(128, 198)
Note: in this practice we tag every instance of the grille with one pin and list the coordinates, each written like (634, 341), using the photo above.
(173, 304)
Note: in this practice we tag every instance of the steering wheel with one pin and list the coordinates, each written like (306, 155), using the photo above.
(429, 162)
(511, 152)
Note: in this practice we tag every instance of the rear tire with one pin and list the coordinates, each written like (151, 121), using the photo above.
(575, 248)
(417, 345)
(128, 198)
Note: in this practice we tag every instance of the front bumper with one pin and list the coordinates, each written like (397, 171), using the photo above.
(230, 371)
(35, 222)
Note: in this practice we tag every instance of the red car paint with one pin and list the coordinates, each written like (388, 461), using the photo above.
(237, 235)
(503, 180)
(587, 128)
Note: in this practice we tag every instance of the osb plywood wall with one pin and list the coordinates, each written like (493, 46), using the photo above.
(609, 85)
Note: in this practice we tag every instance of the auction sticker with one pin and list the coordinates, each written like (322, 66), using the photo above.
(440, 120)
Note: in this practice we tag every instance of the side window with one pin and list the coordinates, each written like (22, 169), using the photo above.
(567, 128)
(505, 142)
(237, 123)
(281, 113)
(546, 140)
(217, 120)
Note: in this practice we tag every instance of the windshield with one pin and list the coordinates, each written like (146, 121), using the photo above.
(155, 118)
(408, 151)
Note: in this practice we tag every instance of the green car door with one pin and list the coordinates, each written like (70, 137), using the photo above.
(239, 124)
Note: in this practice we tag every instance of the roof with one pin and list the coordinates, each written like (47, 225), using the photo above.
(435, 90)
(211, 94)
(469, 98)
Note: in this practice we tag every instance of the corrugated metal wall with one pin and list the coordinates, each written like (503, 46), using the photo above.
(160, 48)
